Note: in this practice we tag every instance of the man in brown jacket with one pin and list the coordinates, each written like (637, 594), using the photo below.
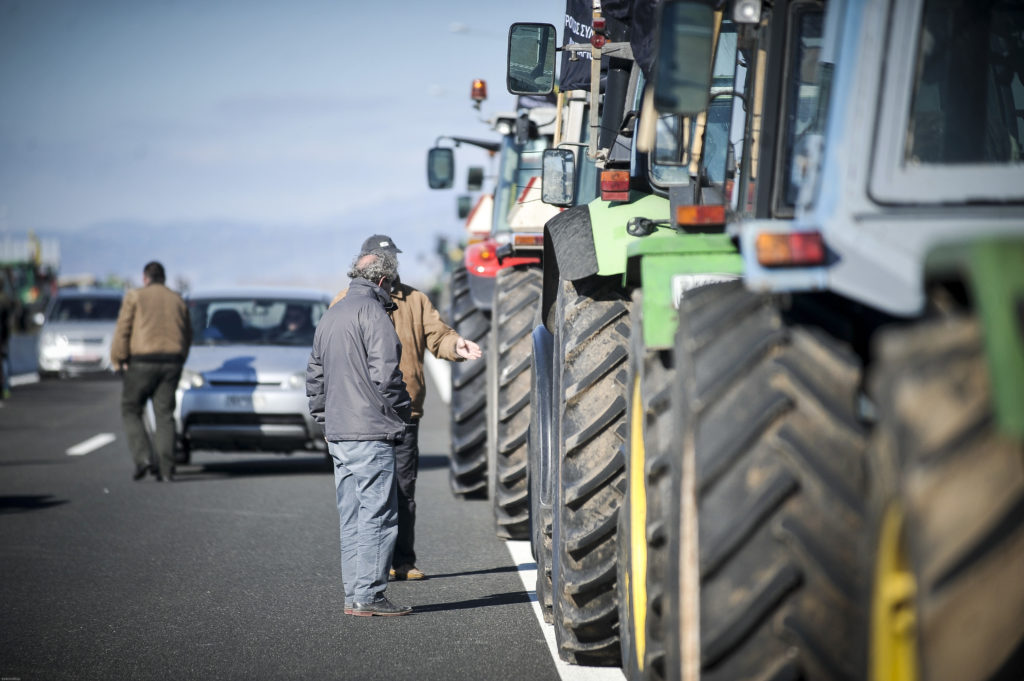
(419, 328)
(149, 347)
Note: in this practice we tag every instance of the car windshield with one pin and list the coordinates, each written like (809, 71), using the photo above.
(85, 309)
(254, 321)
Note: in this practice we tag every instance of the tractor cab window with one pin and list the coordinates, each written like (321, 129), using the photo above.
(802, 97)
(968, 95)
(517, 164)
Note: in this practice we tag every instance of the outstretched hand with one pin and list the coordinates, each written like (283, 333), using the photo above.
(467, 349)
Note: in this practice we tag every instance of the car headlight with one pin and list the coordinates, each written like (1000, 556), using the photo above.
(53, 339)
(297, 380)
(191, 379)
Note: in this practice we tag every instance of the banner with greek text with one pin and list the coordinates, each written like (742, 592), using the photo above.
(575, 75)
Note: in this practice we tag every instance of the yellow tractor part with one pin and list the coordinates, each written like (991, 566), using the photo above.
(637, 581)
(893, 615)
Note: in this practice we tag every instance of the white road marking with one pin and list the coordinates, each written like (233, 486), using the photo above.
(24, 379)
(440, 375)
(521, 556)
(91, 445)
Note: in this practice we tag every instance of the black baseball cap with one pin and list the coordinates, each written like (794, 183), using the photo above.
(379, 242)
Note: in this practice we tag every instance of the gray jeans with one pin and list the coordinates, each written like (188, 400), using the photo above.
(364, 478)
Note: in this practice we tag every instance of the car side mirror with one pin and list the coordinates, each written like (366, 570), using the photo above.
(558, 177)
(440, 168)
(531, 59)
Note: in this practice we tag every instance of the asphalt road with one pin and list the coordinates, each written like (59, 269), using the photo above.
(231, 572)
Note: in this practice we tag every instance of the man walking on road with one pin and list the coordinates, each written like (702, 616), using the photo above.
(357, 394)
(419, 328)
(150, 346)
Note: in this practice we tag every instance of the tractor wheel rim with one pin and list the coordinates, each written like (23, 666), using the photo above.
(636, 583)
(894, 611)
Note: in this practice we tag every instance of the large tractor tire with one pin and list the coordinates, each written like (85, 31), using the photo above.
(516, 299)
(594, 341)
(771, 492)
(468, 473)
(947, 511)
(643, 559)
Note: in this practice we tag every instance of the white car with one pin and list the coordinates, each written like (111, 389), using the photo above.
(244, 384)
(77, 331)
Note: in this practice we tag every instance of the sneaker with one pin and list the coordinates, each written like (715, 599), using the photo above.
(381, 607)
(348, 608)
(403, 572)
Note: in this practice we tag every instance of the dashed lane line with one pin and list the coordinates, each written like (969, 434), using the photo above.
(91, 445)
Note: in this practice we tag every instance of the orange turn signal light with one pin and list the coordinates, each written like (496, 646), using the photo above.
(789, 250)
(615, 185)
(528, 239)
(479, 91)
(700, 215)
(486, 254)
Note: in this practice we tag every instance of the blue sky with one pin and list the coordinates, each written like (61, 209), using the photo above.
(241, 141)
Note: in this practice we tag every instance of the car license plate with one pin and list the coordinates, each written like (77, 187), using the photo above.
(85, 359)
(239, 401)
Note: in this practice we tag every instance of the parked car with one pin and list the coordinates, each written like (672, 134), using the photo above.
(244, 384)
(77, 330)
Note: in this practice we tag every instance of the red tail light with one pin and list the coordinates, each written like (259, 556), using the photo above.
(788, 250)
(615, 185)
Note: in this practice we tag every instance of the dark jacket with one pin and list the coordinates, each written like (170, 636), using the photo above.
(153, 325)
(419, 328)
(353, 382)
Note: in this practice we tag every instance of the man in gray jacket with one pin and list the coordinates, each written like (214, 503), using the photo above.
(356, 392)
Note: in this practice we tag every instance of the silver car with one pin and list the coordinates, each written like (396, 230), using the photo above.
(77, 331)
(244, 384)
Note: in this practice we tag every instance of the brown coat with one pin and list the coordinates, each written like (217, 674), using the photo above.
(419, 328)
(153, 324)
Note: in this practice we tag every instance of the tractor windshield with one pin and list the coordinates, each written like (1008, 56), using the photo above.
(516, 166)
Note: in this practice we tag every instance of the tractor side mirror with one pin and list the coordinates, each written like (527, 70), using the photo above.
(531, 59)
(475, 179)
(558, 177)
(464, 205)
(440, 168)
(682, 73)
